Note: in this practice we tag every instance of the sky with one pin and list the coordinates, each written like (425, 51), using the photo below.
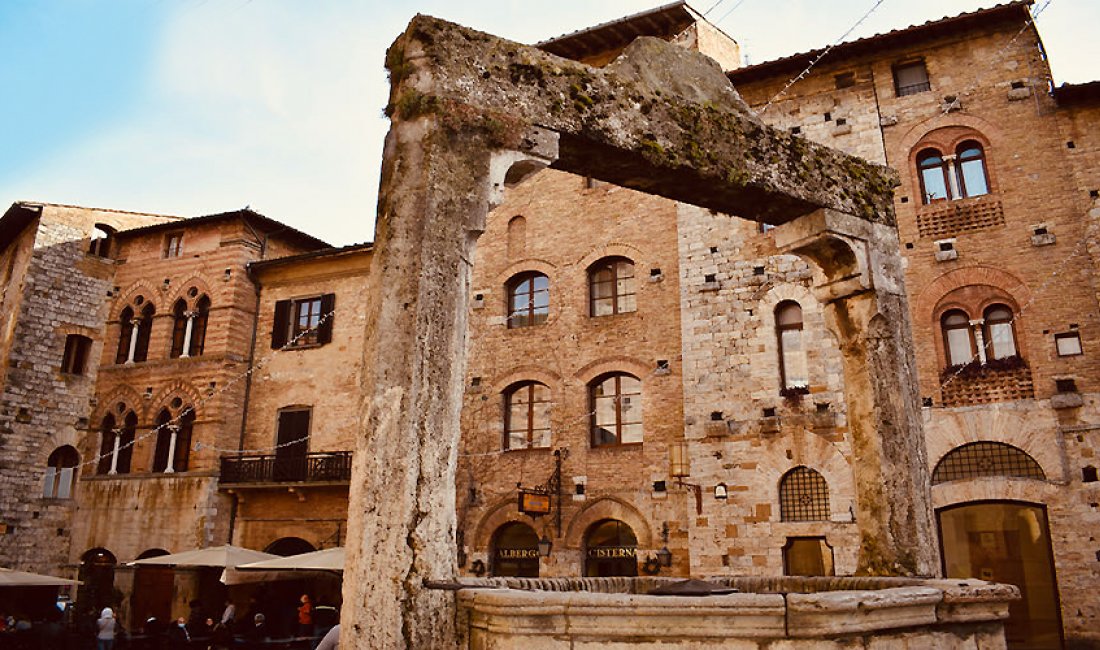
(192, 107)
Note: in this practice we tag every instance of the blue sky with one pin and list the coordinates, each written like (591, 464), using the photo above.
(190, 107)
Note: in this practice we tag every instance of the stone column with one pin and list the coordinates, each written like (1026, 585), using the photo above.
(437, 185)
(858, 276)
(136, 325)
(979, 339)
(186, 352)
(173, 431)
(114, 452)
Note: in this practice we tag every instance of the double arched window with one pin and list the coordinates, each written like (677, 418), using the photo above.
(991, 337)
(136, 328)
(173, 439)
(528, 299)
(803, 496)
(116, 447)
(189, 327)
(793, 370)
(615, 402)
(957, 175)
(527, 416)
(60, 473)
(611, 287)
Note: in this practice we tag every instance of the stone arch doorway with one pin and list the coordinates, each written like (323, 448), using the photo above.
(97, 572)
(514, 551)
(610, 549)
(287, 546)
(1009, 542)
(153, 591)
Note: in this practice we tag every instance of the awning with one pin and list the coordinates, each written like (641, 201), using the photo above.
(12, 578)
(218, 557)
(330, 559)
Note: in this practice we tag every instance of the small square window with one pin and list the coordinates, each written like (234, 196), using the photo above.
(845, 80)
(76, 354)
(1068, 344)
(911, 78)
(173, 244)
(1065, 385)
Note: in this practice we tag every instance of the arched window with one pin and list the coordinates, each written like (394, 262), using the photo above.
(1000, 339)
(179, 328)
(145, 332)
(198, 326)
(60, 473)
(611, 549)
(803, 496)
(517, 236)
(527, 416)
(515, 551)
(173, 440)
(934, 179)
(981, 459)
(970, 162)
(793, 369)
(615, 401)
(958, 340)
(125, 334)
(611, 287)
(117, 444)
(100, 244)
(528, 299)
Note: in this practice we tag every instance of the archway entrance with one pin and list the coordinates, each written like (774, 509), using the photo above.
(287, 546)
(515, 551)
(1005, 541)
(97, 572)
(153, 591)
(611, 549)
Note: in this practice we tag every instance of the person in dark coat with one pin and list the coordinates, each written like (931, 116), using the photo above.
(258, 633)
(177, 637)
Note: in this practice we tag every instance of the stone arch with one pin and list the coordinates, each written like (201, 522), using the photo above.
(993, 489)
(537, 264)
(65, 438)
(503, 512)
(126, 299)
(526, 372)
(1004, 423)
(613, 249)
(815, 452)
(925, 303)
(608, 508)
(286, 546)
(122, 393)
(177, 388)
(990, 131)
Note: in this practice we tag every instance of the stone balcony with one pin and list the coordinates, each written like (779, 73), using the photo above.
(986, 385)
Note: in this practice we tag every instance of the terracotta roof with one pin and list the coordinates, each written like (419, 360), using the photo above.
(301, 257)
(946, 26)
(267, 224)
(1078, 93)
(664, 21)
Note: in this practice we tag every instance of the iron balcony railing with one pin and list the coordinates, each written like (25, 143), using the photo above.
(319, 467)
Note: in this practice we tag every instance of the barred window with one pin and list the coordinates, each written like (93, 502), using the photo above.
(803, 496)
(979, 459)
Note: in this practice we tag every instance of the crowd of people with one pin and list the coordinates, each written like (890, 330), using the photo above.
(264, 625)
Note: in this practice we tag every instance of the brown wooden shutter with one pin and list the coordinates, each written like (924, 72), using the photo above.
(281, 324)
(324, 331)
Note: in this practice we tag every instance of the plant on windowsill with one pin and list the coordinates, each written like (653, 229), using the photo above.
(793, 394)
(975, 368)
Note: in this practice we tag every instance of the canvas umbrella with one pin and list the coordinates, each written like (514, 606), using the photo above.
(330, 559)
(12, 578)
(216, 557)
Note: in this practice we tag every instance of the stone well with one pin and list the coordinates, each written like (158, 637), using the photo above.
(788, 613)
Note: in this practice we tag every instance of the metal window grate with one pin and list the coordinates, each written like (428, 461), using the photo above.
(803, 496)
(979, 459)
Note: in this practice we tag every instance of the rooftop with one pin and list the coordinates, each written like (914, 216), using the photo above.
(664, 22)
(267, 224)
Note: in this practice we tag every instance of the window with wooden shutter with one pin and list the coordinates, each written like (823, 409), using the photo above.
(324, 330)
(281, 325)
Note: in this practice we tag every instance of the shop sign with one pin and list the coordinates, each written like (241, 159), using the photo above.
(612, 552)
(518, 553)
(535, 504)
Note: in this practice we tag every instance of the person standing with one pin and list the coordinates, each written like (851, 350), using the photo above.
(106, 629)
(305, 617)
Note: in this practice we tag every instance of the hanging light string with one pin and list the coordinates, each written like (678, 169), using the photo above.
(802, 75)
(191, 409)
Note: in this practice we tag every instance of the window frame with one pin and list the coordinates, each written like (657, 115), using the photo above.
(101, 246)
(912, 88)
(1070, 335)
(617, 398)
(964, 193)
(612, 265)
(987, 331)
(77, 353)
(530, 429)
(530, 315)
(173, 244)
(784, 384)
(55, 481)
(926, 154)
(947, 341)
(790, 507)
(285, 327)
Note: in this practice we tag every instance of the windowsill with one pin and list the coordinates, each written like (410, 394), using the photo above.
(624, 445)
(100, 258)
(132, 476)
(527, 449)
(621, 314)
(303, 346)
(55, 500)
(527, 327)
(148, 363)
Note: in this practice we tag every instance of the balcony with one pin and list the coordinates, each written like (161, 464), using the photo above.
(947, 218)
(332, 467)
(1003, 380)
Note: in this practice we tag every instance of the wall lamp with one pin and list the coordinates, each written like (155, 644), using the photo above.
(544, 546)
(679, 466)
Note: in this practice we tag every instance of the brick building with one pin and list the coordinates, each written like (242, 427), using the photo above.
(656, 373)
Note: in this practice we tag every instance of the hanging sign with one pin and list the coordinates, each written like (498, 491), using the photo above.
(534, 504)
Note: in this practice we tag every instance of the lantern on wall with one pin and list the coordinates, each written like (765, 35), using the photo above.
(679, 466)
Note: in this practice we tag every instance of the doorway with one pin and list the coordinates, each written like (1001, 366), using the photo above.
(1009, 542)
(611, 549)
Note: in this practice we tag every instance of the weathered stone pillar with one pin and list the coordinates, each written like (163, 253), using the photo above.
(860, 279)
(442, 170)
